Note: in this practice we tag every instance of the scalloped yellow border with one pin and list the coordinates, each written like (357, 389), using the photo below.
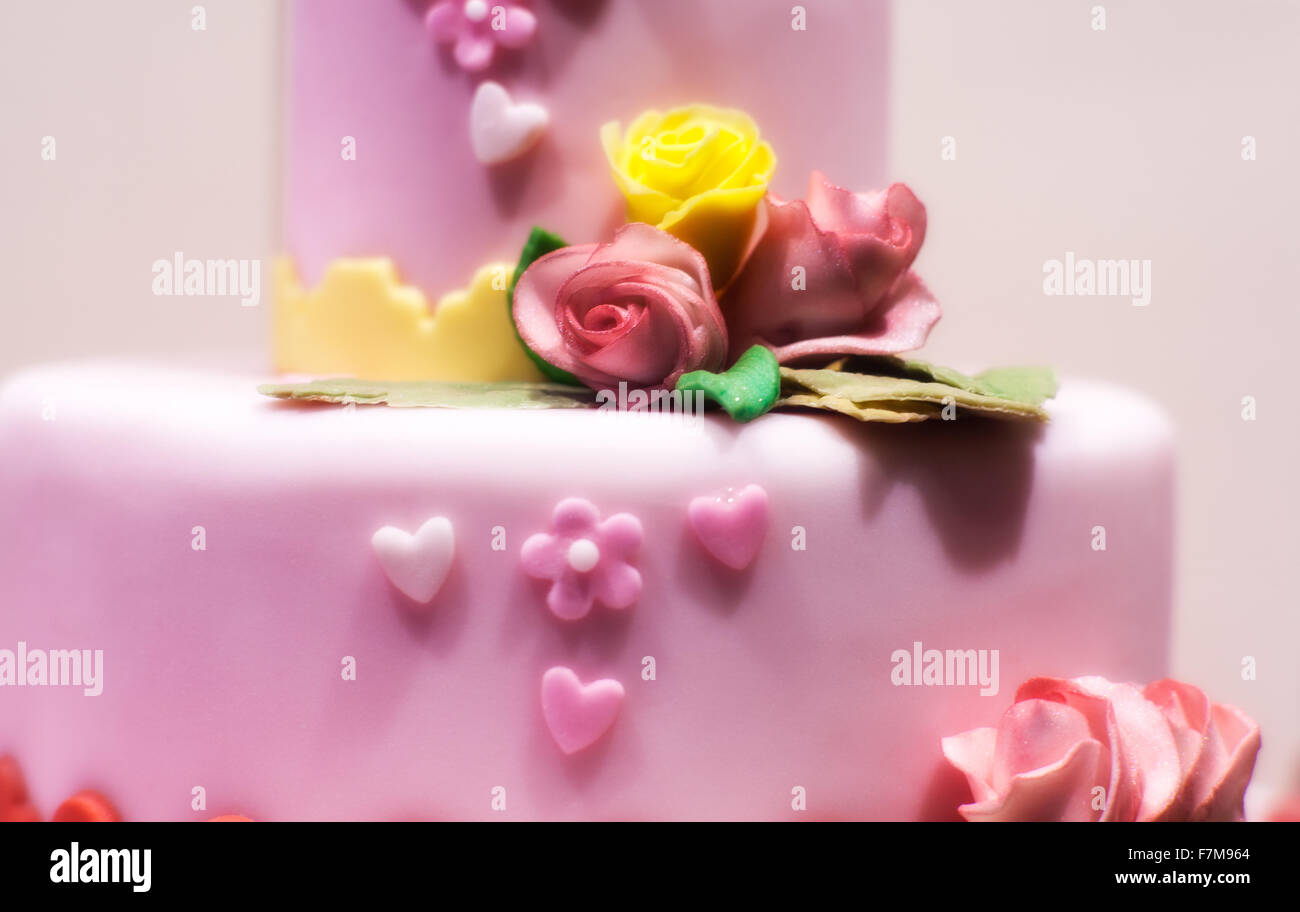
(361, 321)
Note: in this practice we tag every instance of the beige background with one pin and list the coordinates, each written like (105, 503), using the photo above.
(1122, 143)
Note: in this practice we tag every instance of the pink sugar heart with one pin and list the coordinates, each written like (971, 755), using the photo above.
(731, 528)
(578, 714)
(416, 564)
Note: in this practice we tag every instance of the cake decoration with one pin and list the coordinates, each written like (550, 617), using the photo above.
(898, 390)
(829, 276)
(231, 818)
(731, 528)
(501, 129)
(540, 242)
(747, 389)
(587, 559)
(638, 310)
(1088, 749)
(86, 807)
(475, 28)
(361, 321)
(824, 298)
(15, 803)
(578, 715)
(434, 394)
(697, 172)
(416, 564)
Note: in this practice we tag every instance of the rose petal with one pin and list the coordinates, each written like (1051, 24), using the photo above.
(637, 242)
(768, 305)
(1239, 734)
(1144, 755)
(643, 348)
(892, 219)
(535, 299)
(1061, 791)
(1034, 734)
(902, 324)
(1200, 759)
(972, 753)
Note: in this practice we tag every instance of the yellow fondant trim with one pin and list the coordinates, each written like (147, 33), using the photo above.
(361, 321)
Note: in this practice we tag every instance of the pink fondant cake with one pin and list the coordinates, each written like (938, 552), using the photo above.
(529, 538)
(223, 668)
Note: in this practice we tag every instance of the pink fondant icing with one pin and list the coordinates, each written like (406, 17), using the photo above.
(222, 667)
(731, 528)
(415, 191)
(578, 714)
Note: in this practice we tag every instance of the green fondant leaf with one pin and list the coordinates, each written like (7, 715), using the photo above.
(540, 242)
(746, 390)
(432, 394)
(920, 392)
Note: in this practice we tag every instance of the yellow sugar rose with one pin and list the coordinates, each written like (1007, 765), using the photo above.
(696, 172)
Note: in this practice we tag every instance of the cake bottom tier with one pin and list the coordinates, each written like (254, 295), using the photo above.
(256, 658)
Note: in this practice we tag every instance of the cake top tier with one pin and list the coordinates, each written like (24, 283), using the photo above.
(383, 160)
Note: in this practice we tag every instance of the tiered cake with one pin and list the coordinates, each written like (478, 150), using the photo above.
(308, 611)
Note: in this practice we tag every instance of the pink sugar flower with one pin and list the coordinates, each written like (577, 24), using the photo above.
(476, 27)
(855, 252)
(1089, 749)
(587, 559)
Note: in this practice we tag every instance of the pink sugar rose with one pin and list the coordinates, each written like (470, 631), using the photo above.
(476, 27)
(856, 296)
(1087, 749)
(639, 310)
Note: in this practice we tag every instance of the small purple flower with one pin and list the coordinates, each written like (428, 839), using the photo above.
(587, 559)
(477, 27)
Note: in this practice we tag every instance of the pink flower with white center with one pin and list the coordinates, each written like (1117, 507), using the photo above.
(476, 27)
(587, 559)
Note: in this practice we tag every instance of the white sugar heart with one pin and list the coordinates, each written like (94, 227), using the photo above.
(578, 714)
(499, 129)
(731, 528)
(416, 564)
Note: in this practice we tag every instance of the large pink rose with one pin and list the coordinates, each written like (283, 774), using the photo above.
(1087, 749)
(830, 276)
(639, 309)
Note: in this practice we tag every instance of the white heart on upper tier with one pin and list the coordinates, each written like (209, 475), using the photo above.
(501, 130)
(416, 564)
